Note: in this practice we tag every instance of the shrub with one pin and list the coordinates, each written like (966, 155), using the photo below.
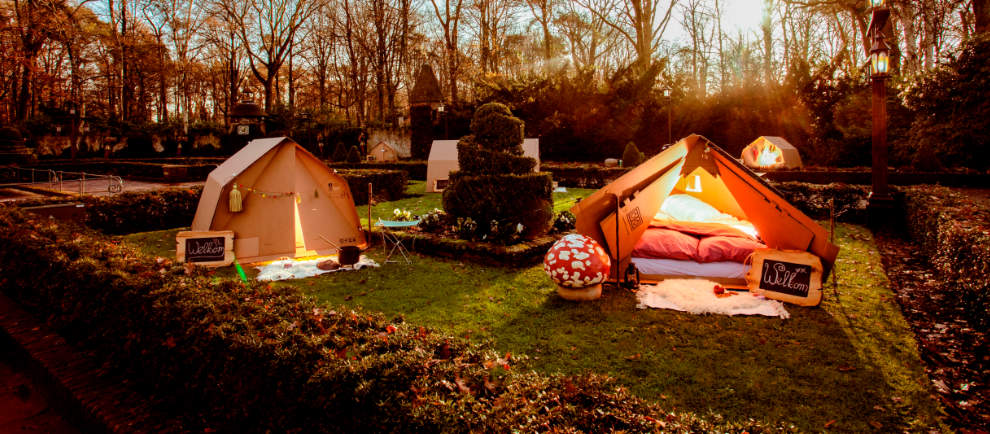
(954, 232)
(495, 128)
(951, 115)
(386, 184)
(354, 155)
(631, 157)
(850, 201)
(414, 169)
(507, 199)
(339, 152)
(434, 221)
(221, 354)
(564, 222)
(472, 158)
(130, 212)
(494, 186)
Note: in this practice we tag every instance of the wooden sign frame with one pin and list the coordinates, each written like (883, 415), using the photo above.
(787, 275)
(205, 253)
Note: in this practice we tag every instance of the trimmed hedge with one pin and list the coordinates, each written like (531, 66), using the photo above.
(812, 199)
(221, 354)
(415, 169)
(582, 175)
(387, 185)
(954, 232)
(507, 199)
(131, 212)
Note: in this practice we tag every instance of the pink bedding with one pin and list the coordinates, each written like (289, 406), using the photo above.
(699, 242)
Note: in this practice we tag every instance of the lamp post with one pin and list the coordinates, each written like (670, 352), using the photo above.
(440, 110)
(880, 199)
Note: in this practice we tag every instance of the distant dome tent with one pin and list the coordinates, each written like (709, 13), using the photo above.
(771, 152)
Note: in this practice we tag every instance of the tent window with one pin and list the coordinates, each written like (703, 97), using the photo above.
(440, 184)
(696, 187)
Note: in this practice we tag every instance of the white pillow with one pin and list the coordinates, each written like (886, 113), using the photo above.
(690, 209)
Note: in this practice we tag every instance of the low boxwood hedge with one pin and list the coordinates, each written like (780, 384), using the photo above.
(416, 169)
(387, 185)
(582, 175)
(954, 232)
(850, 201)
(232, 357)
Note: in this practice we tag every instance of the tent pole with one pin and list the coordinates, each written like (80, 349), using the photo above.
(618, 253)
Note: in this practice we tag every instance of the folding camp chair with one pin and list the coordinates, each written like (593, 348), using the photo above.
(391, 241)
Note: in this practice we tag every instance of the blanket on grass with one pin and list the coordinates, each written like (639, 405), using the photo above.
(292, 269)
(698, 296)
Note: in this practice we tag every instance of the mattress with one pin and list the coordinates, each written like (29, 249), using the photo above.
(674, 267)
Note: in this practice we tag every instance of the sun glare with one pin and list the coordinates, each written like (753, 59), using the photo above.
(743, 15)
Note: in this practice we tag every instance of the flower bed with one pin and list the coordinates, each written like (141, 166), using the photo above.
(954, 232)
(223, 354)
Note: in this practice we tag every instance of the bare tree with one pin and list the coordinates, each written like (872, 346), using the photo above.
(267, 30)
(587, 34)
(492, 19)
(641, 23)
(449, 19)
(543, 13)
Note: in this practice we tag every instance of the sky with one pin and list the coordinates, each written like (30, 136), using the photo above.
(744, 15)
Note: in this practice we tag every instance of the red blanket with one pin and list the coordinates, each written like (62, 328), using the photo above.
(700, 242)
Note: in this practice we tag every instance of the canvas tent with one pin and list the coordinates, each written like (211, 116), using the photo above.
(382, 152)
(443, 160)
(696, 167)
(771, 152)
(293, 204)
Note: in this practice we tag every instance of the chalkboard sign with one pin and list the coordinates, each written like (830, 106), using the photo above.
(786, 277)
(209, 248)
(204, 249)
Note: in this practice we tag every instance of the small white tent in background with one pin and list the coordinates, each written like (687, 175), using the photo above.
(292, 204)
(382, 152)
(771, 152)
(443, 160)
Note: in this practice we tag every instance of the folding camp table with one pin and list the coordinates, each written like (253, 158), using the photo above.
(392, 242)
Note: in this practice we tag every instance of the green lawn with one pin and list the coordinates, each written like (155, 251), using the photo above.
(849, 365)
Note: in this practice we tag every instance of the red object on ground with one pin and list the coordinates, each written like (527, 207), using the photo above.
(719, 289)
(576, 261)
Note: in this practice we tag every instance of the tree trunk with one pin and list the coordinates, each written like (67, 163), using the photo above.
(981, 14)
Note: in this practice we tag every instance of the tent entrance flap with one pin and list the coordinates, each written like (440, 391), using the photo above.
(635, 214)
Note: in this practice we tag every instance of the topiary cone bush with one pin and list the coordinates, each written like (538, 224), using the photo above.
(495, 185)
(631, 157)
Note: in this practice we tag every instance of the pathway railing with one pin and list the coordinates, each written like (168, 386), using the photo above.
(78, 182)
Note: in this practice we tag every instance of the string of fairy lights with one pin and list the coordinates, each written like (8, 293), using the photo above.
(268, 194)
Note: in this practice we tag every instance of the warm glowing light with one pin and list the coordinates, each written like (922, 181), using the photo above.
(879, 60)
(878, 3)
(770, 156)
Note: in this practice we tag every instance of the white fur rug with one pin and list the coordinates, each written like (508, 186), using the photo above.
(697, 296)
(292, 269)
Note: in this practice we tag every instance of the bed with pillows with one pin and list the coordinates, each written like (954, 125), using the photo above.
(690, 238)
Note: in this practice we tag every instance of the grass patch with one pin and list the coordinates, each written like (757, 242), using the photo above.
(419, 202)
(849, 365)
